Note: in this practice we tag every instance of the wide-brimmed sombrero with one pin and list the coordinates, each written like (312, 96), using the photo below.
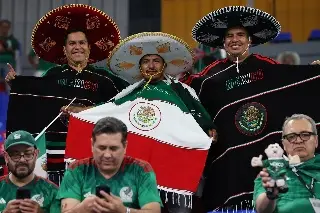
(47, 38)
(211, 29)
(124, 59)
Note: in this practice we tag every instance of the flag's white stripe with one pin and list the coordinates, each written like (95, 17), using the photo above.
(174, 126)
(182, 192)
(56, 152)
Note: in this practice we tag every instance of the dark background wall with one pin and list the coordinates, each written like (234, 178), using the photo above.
(144, 16)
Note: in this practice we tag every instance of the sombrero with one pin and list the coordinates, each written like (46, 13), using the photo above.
(211, 29)
(47, 38)
(124, 59)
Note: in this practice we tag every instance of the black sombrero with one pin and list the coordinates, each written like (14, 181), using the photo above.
(211, 29)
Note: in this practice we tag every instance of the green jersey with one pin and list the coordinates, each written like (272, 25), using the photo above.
(135, 182)
(10, 45)
(43, 65)
(296, 200)
(42, 191)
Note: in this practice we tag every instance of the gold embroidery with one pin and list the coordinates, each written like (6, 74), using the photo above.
(125, 65)
(104, 44)
(179, 62)
(47, 44)
(62, 22)
(93, 22)
(134, 50)
(164, 48)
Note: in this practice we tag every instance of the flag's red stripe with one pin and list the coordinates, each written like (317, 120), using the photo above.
(55, 160)
(174, 167)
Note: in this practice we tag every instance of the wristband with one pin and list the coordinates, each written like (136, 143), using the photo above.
(128, 210)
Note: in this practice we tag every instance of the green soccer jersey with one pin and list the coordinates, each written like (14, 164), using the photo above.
(296, 200)
(135, 182)
(42, 191)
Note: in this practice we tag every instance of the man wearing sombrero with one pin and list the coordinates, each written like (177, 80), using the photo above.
(75, 36)
(226, 88)
(148, 61)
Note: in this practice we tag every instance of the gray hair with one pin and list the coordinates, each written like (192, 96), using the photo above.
(300, 117)
(294, 55)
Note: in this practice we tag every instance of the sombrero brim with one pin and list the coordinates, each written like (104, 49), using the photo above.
(212, 28)
(47, 38)
(124, 59)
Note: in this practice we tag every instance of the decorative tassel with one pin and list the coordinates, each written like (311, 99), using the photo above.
(172, 197)
(237, 62)
(166, 197)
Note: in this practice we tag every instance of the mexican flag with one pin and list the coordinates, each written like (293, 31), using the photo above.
(41, 163)
(159, 132)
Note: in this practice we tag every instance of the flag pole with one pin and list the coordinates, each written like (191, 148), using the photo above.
(44, 130)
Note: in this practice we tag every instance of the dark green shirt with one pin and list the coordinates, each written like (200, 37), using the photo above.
(42, 191)
(8, 56)
(135, 183)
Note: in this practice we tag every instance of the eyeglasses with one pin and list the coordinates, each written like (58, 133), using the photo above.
(17, 157)
(292, 137)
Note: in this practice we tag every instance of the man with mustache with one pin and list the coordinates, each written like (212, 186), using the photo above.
(299, 137)
(131, 182)
(74, 37)
(148, 61)
(21, 154)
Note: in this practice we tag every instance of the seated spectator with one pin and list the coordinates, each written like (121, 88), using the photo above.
(289, 57)
(132, 182)
(20, 155)
(300, 138)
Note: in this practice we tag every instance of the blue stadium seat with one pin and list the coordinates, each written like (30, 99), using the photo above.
(314, 35)
(283, 37)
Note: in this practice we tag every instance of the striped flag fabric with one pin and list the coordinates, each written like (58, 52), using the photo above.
(159, 132)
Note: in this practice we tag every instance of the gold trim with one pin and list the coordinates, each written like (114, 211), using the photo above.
(45, 17)
(145, 34)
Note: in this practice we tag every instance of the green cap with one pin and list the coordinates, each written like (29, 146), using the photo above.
(19, 137)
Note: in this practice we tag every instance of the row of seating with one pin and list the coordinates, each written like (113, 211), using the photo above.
(286, 37)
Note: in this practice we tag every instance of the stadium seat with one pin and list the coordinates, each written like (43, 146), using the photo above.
(314, 35)
(283, 37)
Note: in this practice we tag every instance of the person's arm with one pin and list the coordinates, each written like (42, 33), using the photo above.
(148, 194)
(262, 203)
(71, 205)
(69, 193)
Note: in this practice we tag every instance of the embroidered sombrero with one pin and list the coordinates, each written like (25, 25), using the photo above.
(124, 59)
(47, 38)
(211, 29)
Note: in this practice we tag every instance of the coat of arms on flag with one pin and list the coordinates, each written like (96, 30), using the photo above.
(176, 148)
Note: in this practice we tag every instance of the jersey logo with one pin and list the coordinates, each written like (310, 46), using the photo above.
(126, 194)
(87, 194)
(2, 201)
(39, 199)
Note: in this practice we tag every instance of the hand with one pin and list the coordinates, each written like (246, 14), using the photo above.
(256, 161)
(12, 207)
(11, 75)
(29, 206)
(265, 178)
(213, 133)
(109, 203)
(74, 109)
(88, 203)
(317, 62)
